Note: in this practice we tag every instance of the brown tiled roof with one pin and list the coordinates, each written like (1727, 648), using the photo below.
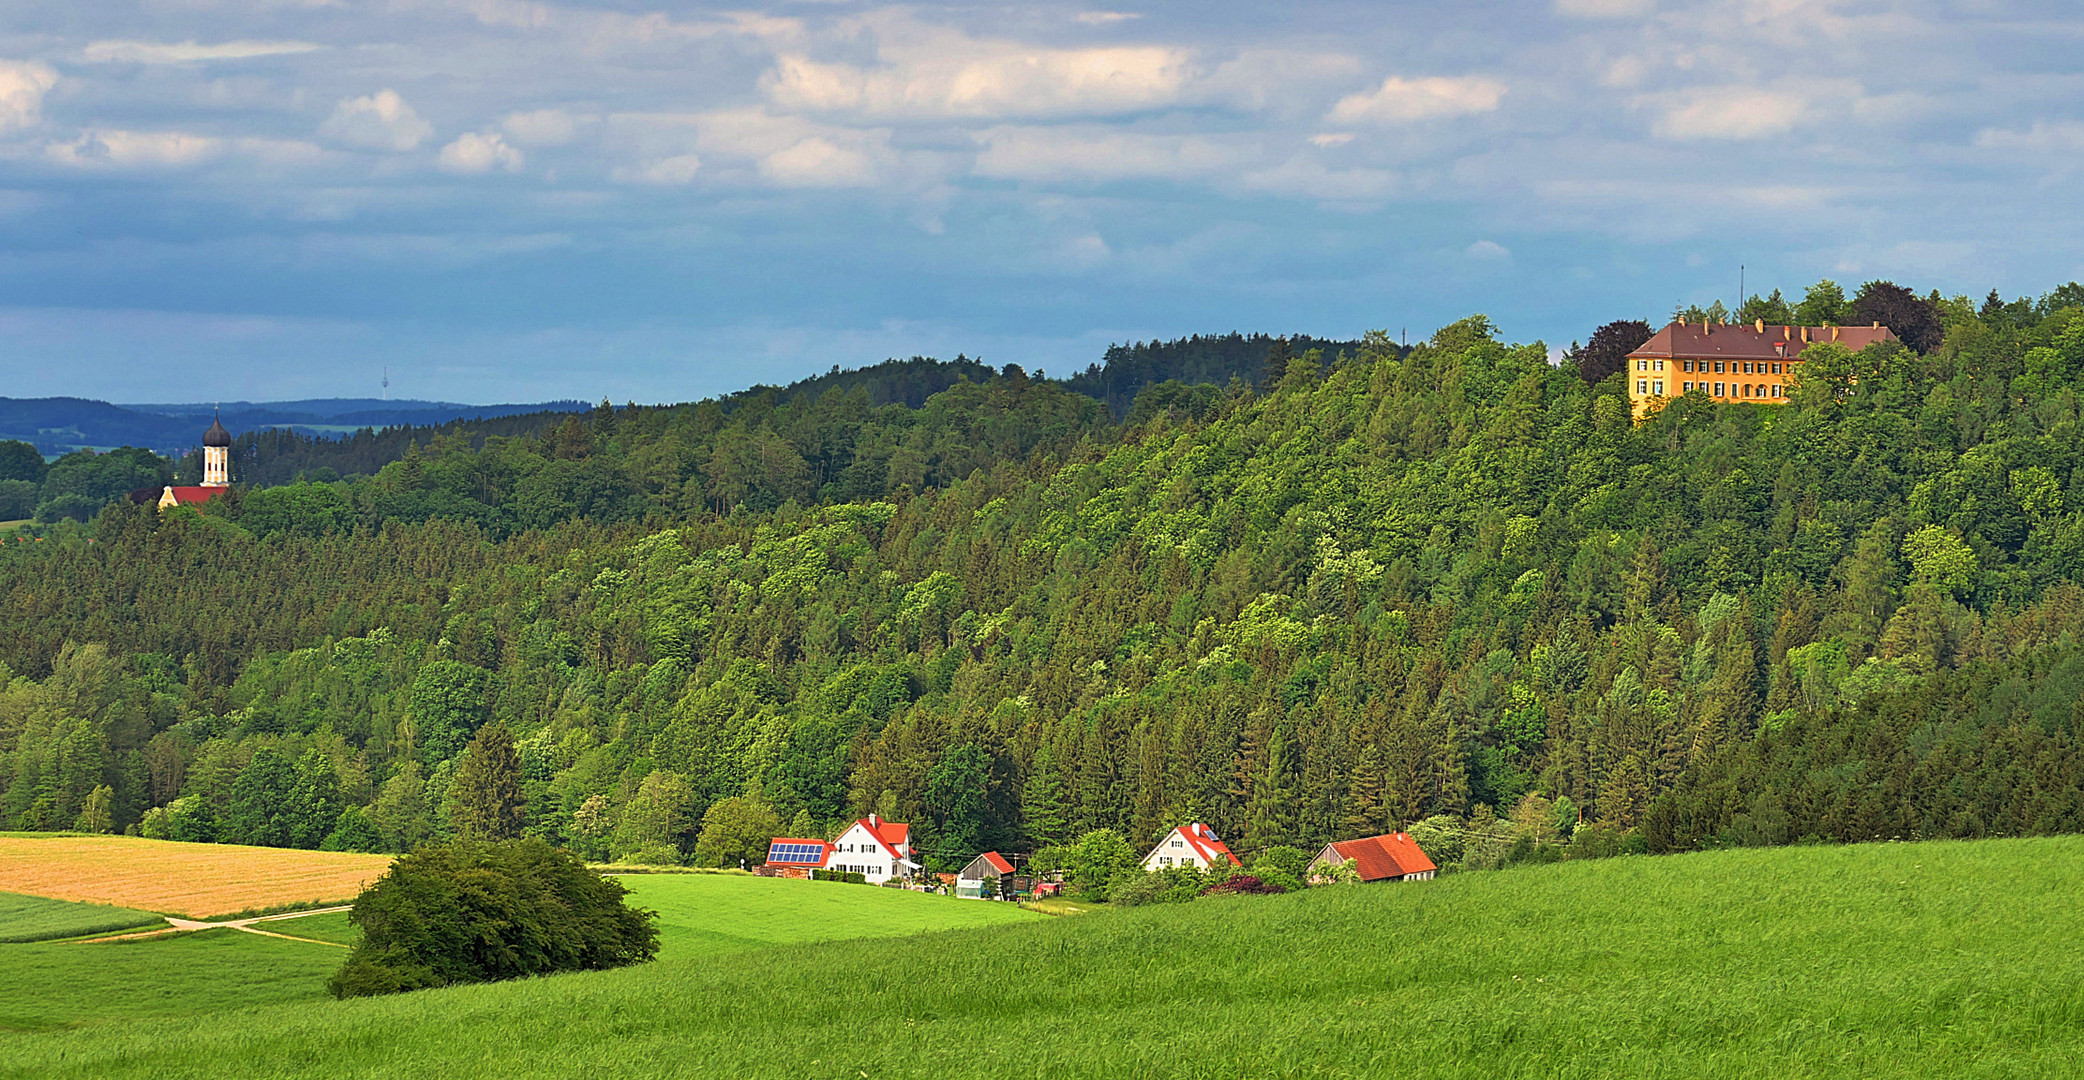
(1745, 341)
(1379, 857)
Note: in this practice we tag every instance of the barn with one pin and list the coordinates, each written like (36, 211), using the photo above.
(980, 879)
(1390, 857)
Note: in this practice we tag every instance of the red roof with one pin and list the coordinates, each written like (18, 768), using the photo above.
(799, 857)
(190, 496)
(1380, 857)
(997, 862)
(1747, 341)
(1205, 843)
(888, 833)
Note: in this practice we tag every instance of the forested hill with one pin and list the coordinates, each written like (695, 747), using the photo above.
(1455, 585)
(1213, 360)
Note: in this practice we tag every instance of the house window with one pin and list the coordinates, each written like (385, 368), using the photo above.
(1718, 389)
(1165, 860)
(1776, 369)
(1179, 843)
(1660, 365)
(1642, 387)
(1657, 388)
(1718, 367)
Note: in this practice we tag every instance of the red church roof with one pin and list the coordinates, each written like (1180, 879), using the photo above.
(192, 496)
(1378, 857)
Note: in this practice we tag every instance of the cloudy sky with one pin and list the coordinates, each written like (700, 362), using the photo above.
(510, 200)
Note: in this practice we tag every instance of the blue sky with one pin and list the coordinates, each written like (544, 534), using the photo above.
(509, 200)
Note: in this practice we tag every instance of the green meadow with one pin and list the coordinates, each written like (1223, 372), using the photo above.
(34, 918)
(57, 985)
(1955, 959)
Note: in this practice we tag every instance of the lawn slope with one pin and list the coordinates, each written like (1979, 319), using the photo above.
(34, 918)
(1941, 960)
(702, 914)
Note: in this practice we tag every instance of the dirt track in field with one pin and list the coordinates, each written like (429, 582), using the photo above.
(195, 880)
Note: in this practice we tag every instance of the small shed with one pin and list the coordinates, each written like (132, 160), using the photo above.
(980, 879)
(1390, 857)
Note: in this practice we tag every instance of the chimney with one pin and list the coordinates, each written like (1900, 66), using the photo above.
(1834, 333)
(873, 820)
(1761, 326)
(1805, 335)
(1877, 326)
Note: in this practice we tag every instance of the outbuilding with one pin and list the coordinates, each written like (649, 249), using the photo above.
(980, 879)
(1390, 857)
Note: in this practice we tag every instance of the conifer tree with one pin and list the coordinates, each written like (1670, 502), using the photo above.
(485, 800)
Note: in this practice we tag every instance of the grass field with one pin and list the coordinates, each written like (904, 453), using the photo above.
(195, 880)
(220, 972)
(34, 918)
(1932, 960)
(705, 914)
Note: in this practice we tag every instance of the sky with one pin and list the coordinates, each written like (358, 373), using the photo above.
(506, 200)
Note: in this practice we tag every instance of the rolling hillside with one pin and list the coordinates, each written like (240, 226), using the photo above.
(1906, 960)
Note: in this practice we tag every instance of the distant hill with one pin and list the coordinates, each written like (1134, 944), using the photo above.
(57, 425)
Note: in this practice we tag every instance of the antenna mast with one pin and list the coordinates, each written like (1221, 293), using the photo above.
(387, 382)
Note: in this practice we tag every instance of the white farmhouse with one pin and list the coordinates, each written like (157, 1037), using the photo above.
(1193, 845)
(878, 850)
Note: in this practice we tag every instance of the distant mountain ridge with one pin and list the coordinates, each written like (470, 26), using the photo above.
(60, 424)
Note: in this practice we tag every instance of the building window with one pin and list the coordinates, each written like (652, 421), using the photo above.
(1660, 365)
(1776, 369)
(1718, 389)
(1179, 843)
(1657, 388)
(1718, 367)
(1642, 387)
(1165, 860)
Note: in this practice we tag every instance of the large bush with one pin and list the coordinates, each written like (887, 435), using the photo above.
(466, 912)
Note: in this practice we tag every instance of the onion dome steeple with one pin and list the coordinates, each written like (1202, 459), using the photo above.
(217, 436)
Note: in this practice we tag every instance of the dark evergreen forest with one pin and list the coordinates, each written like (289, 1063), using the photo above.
(1452, 587)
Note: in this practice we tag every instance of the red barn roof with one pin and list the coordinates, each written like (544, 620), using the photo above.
(1380, 857)
(998, 862)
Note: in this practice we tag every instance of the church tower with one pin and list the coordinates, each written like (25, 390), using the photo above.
(217, 456)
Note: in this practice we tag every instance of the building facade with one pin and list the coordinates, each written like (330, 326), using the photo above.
(1730, 361)
(1194, 846)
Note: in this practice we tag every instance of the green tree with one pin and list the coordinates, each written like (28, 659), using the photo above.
(957, 801)
(450, 701)
(657, 820)
(1823, 305)
(469, 911)
(485, 801)
(1042, 801)
(261, 812)
(314, 802)
(736, 830)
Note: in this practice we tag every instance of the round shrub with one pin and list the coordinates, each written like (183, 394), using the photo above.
(476, 911)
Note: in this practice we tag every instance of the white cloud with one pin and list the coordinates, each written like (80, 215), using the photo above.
(930, 73)
(675, 170)
(1329, 139)
(1605, 9)
(1399, 100)
(480, 152)
(110, 148)
(1096, 153)
(1731, 112)
(818, 163)
(1488, 251)
(22, 87)
(543, 127)
(380, 121)
(1104, 18)
(2059, 135)
(185, 52)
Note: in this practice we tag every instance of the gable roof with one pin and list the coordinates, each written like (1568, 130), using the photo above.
(1202, 840)
(890, 834)
(190, 496)
(1750, 341)
(985, 865)
(1377, 858)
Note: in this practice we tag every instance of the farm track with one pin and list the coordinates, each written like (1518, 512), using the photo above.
(184, 926)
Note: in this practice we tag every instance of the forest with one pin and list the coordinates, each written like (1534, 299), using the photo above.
(1452, 587)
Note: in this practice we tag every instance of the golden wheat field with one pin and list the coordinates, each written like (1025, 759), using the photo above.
(195, 880)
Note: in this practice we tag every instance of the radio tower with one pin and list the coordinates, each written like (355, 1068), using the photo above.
(387, 382)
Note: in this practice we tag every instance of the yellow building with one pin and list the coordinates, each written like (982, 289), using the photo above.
(1729, 361)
